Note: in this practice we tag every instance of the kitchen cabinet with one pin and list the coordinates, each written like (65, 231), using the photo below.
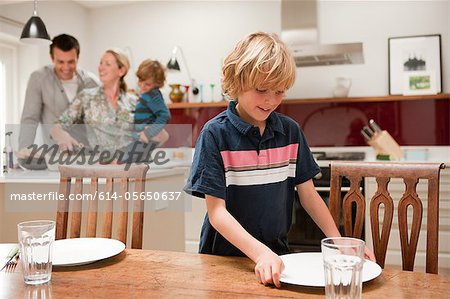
(335, 122)
(193, 223)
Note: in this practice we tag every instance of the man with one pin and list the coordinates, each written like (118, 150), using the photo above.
(52, 88)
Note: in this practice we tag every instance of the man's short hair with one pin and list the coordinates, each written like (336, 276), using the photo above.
(65, 43)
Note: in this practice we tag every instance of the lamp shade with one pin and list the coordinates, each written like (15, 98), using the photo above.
(35, 28)
(173, 64)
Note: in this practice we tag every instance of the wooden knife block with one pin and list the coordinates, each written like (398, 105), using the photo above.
(384, 144)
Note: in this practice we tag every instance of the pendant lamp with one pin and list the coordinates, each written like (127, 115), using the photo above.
(35, 28)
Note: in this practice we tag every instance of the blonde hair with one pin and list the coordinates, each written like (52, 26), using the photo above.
(154, 70)
(260, 60)
(123, 62)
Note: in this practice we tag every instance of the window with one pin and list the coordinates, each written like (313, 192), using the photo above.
(8, 90)
(2, 109)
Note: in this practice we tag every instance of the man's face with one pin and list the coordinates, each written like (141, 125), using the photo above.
(65, 63)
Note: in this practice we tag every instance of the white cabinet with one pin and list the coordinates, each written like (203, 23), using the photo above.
(195, 213)
(396, 189)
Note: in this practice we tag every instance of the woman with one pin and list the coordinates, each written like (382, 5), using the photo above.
(107, 111)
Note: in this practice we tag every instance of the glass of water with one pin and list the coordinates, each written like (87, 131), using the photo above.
(343, 260)
(36, 247)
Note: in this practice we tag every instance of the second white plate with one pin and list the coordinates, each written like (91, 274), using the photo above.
(306, 269)
(80, 251)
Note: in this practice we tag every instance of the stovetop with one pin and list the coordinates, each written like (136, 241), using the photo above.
(349, 156)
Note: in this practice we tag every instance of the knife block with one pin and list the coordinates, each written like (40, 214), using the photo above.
(384, 144)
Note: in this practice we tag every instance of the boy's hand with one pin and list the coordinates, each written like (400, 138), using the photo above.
(268, 268)
(368, 255)
(161, 137)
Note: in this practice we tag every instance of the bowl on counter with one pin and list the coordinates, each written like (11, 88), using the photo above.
(32, 164)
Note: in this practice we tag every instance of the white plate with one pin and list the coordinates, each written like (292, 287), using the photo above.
(306, 269)
(80, 251)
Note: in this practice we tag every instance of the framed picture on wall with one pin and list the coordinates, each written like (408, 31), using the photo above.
(408, 57)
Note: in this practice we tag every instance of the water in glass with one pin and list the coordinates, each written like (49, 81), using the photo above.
(343, 260)
(36, 245)
(343, 276)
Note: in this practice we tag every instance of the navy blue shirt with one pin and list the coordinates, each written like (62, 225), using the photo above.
(255, 175)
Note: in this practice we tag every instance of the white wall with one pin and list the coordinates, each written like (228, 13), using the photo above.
(59, 17)
(372, 22)
(207, 30)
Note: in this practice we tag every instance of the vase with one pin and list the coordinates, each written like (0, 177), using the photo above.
(342, 87)
(176, 95)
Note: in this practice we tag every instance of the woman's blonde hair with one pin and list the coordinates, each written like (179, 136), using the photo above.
(152, 69)
(123, 62)
(260, 60)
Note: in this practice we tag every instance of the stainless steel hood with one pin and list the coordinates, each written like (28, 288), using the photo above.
(300, 32)
(327, 54)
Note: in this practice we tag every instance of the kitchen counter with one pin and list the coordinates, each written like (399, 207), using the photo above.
(435, 153)
(178, 159)
(52, 177)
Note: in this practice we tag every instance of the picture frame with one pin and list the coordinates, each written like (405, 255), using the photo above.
(408, 55)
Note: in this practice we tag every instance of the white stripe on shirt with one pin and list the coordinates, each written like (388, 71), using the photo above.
(258, 177)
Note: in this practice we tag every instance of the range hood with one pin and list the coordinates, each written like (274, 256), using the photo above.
(300, 32)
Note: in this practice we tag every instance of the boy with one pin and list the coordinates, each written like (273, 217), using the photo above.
(151, 114)
(249, 159)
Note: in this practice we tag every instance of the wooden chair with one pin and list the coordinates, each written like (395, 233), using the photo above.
(383, 172)
(137, 173)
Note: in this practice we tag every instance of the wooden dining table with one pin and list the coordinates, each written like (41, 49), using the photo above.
(138, 273)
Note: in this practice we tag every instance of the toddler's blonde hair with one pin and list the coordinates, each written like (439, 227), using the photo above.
(152, 69)
(260, 60)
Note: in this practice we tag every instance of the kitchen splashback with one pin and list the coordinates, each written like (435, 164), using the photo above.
(419, 122)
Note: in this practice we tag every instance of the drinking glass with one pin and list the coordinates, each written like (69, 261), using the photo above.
(36, 247)
(343, 260)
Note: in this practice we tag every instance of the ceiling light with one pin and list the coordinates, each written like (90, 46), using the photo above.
(35, 28)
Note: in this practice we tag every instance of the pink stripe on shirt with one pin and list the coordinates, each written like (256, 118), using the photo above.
(268, 156)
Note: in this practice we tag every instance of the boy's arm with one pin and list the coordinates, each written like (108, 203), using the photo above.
(318, 210)
(268, 265)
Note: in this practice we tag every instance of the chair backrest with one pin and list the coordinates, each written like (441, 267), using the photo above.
(353, 207)
(111, 173)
